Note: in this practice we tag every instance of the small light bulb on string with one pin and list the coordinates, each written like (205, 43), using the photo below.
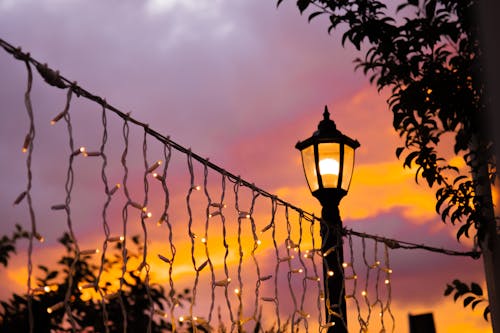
(165, 259)
(203, 265)
(86, 286)
(58, 207)
(39, 237)
(116, 239)
(181, 319)
(303, 314)
(352, 277)
(328, 325)
(195, 188)
(91, 153)
(268, 299)
(159, 177)
(203, 240)
(364, 293)
(218, 205)
(114, 189)
(267, 227)
(26, 144)
(162, 219)
(346, 264)
(236, 291)
(244, 215)
(138, 206)
(258, 242)
(20, 198)
(146, 215)
(264, 278)
(81, 150)
(331, 273)
(313, 278)
(57, 118)
(297, 270)
(89, 252)
(55, 307)
(327, 252)
(245, 320)
(222, 283)
(387, 281)
(322, 295)
(214, 214)
(387, 270)
(154, 166)
(44, 289)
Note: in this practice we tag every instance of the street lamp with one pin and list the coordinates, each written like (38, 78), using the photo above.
(328, 161)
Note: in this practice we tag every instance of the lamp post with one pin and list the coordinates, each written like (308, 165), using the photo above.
(328, 161)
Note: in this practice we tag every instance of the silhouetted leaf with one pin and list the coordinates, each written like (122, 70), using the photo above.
(476, 289)
(468, 300)
(303, 4)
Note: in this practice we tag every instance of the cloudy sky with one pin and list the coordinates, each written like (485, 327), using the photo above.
(238, 82)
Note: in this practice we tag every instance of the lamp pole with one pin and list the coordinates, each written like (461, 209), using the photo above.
(328, 161)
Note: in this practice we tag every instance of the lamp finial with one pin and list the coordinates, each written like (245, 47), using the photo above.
(326, 114)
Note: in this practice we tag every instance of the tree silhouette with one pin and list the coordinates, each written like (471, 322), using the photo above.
(89, 315)
(428, 54)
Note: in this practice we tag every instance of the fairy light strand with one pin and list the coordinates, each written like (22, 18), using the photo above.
(284, 263)
(28, 147)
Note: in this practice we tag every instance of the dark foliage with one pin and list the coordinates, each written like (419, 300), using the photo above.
(473, 295)
(429, 56)
(87, 315)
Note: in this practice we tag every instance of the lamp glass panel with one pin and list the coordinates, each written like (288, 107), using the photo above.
(329, 164)
(310, 168)
(348, 167)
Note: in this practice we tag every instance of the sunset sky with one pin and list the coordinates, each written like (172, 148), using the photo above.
(238, 82)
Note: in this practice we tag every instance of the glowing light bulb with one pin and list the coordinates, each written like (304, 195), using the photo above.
(55, 307)
(114, 189)
(329, 166)
(89, 252)
(157, 176)
(116, 239)
(154, 166)
(214, 214)
(364, 293)
(237, 291)
(331, 273)
(57, 118)
(386, 281)
(244, 215)
(27, 141)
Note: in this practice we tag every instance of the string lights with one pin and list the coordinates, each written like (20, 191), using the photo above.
(227, 247)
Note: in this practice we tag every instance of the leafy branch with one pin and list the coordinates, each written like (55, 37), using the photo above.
(472, 296)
